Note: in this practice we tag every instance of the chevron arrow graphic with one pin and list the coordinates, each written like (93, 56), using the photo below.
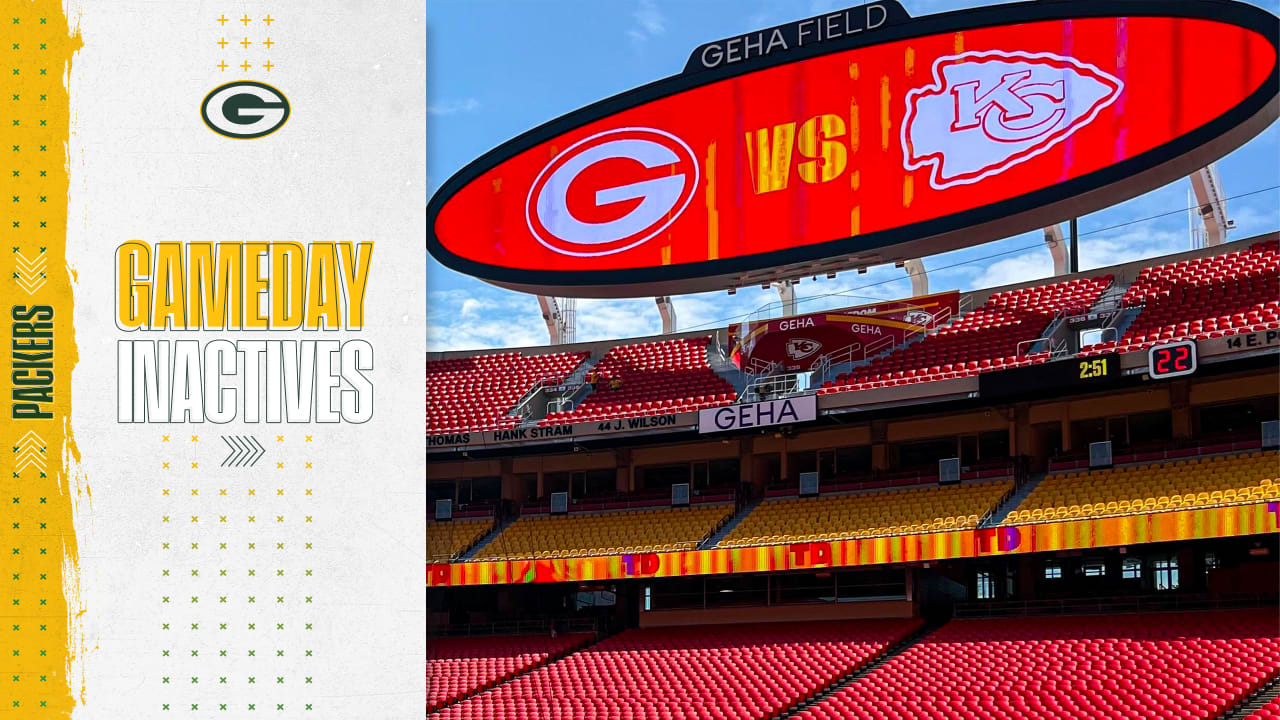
(235, 451)
(260, 451)
(30, 450)
(244, 450)
(30, 275)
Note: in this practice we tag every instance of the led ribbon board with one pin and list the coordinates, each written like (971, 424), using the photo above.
(1082, 534)
(861, 137)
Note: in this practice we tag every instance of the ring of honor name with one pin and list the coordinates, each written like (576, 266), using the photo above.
(260, 288)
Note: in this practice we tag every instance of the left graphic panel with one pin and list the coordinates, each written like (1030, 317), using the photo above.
(40, 582)
(213, 275)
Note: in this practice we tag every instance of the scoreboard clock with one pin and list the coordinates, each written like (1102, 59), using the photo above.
(1074, 375)
(1171, 360)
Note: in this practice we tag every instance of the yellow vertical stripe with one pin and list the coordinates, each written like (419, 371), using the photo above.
(855, 126)
(884, 112)
(713, 215)
(39, 583)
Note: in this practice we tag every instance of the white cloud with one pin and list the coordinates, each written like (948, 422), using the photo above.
(650, 18)
(472, 307)
(1254, 215)
(453, 107)
(1030, 265)
(482, 318)
(649, 22)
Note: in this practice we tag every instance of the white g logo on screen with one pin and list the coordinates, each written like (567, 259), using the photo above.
(244, 110)
(611, 192)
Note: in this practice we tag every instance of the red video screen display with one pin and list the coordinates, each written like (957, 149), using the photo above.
(849, 144)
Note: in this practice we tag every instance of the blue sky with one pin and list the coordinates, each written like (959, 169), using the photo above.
(499, 67)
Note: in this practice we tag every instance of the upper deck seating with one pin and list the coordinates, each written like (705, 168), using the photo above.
(474, 394)
(997, 335)
(1202, 298)
(651, 378)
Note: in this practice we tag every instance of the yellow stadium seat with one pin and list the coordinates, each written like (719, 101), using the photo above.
(868, 514)
(1190, 483)
(606, 533)
(445, 540)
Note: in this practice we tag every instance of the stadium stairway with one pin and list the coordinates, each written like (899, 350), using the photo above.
(845, 368)
(577, 388)
(1110, 301)
(1269, 691)
(728, 527)
(488, 538)
(724, 367)
(857, 673)
(1002, 510)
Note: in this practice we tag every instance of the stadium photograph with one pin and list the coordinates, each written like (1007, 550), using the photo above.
(874, 360)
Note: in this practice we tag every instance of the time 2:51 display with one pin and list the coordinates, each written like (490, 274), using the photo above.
(1095, 368)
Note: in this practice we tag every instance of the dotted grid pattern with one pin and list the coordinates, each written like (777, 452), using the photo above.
(246, 42)
(34, 612)
(236, 618)
(37, 540)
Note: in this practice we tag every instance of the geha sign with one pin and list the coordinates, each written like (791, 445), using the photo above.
(896, 138)
(788, 411)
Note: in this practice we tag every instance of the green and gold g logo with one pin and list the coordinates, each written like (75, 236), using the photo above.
(244, 110)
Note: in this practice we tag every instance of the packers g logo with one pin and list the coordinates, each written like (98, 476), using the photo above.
(611, 192)
(244, 110)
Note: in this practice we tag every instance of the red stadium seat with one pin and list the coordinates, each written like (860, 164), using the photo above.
(993, 336)
(1169, 665)
(474, 394)
(460, 666)
(653, 378)
(725, 672)
(1203, 298)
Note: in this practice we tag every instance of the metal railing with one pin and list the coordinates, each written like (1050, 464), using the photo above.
(773, 387)
(991, 511)
(850, 354)
(521, 408)
(1056, 348)
(761, 367)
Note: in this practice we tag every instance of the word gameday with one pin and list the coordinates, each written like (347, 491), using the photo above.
(256, 288)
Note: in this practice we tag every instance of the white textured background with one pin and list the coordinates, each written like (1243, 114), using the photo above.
(348, 166)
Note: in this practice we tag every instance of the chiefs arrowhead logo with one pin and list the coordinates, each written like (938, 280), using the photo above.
(801, 348)
(919, 318)
(988, 111)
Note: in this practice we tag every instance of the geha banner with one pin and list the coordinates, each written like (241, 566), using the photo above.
(797, 342)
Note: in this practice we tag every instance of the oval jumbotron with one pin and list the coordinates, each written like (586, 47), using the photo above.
(909, 139)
